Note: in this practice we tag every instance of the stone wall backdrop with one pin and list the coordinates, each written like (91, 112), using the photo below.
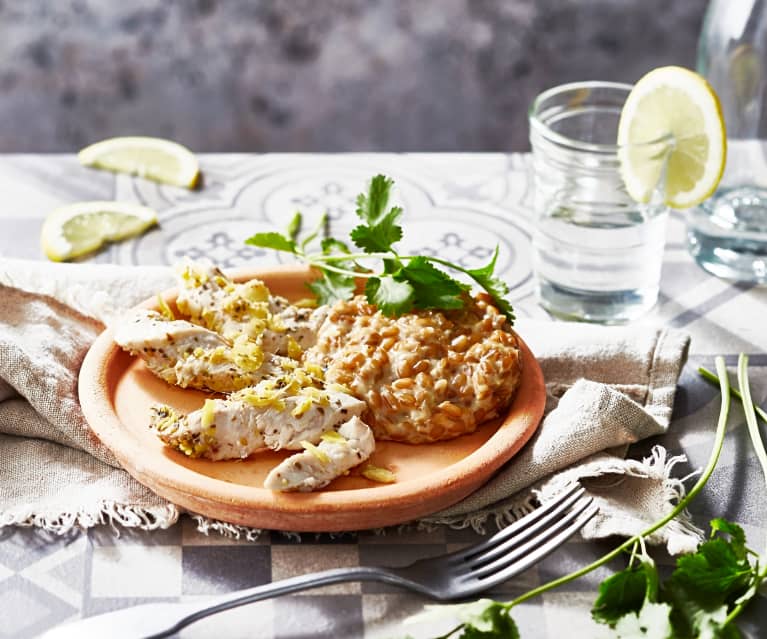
(315, 75)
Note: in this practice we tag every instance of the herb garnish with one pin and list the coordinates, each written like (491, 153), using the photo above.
(701, 598)
(406, 282)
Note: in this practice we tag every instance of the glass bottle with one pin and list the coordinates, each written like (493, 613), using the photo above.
(727, 234)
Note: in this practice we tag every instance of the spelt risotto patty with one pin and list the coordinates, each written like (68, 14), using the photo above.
(425, 376)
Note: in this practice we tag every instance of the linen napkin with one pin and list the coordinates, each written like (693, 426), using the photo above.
(606, 388)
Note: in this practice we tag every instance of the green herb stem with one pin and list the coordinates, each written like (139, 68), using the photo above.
(721, 430)
(750, 413)
(711, 377)
(319, 258)
(340, 271)
(450, 633)
(753, 430)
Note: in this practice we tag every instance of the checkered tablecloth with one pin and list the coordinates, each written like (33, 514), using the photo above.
(456, 206)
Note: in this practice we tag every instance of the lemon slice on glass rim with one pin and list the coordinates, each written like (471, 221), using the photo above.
(83, 227)
(672, 121)
(152, 158)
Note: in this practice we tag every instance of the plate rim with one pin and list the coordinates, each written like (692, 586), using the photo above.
(262, 508)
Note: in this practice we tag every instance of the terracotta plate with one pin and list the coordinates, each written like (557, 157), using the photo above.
(116, 391)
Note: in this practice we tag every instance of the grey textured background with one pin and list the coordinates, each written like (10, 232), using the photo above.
(315, 75)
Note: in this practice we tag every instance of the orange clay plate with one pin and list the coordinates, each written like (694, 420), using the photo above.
(116, 391)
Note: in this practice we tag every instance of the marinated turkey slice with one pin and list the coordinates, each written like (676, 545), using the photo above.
(189, 355)
(270, 415)
(337, 452)
(214, 301)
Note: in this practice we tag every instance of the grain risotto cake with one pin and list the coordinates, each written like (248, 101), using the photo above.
(426, 376)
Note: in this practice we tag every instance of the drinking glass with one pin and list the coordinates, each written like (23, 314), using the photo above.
(727, 234)
(597, 254)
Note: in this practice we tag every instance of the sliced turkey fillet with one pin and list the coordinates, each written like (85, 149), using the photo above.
(213, 300)
(233, 428)
(188, 355)
(333, 457)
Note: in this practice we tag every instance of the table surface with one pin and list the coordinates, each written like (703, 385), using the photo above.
(456, 206)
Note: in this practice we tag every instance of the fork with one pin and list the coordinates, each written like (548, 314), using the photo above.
(456, 575)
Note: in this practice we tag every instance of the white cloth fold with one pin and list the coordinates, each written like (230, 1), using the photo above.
(607, 388)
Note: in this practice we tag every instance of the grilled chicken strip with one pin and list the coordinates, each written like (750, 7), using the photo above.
(211, 299)
(189, 355)
(315, 468)
(264, 416)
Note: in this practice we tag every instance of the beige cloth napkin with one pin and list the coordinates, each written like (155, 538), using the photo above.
(607, 388)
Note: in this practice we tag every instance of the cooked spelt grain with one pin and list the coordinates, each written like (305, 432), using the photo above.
(425, 376)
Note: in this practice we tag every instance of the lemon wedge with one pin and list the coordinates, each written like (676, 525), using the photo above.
(81, 228)
(672, 121)
(152, 158)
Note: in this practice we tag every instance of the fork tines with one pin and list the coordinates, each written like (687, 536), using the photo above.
(526, 541)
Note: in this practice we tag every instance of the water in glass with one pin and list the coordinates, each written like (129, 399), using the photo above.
(597, 253)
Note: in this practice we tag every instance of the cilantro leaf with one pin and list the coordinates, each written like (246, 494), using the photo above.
(498, 289)
(380, 229)
(650, 622)
(272, 240)
(370, 207)
(623, 593)
(404, 283)
(480, 619)
(391, 266)
(332, 287)
(735, 532)
(433, 288)
(716, 569)
(392, 296)
(487, 619)
(694, 602)
(706, 583)
(380, 236)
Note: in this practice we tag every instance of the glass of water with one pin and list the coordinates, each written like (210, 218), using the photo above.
(727, 234)
(597, 254)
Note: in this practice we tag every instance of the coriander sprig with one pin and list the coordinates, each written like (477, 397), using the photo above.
(403, 283)
(704, 594)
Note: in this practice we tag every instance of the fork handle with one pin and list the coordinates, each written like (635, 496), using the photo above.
(286, 586)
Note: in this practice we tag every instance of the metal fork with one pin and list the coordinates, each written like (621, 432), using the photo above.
(456, 575)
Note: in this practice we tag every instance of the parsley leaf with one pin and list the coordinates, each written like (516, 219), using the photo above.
(272, 240)
(332, 287)
(392, 296)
